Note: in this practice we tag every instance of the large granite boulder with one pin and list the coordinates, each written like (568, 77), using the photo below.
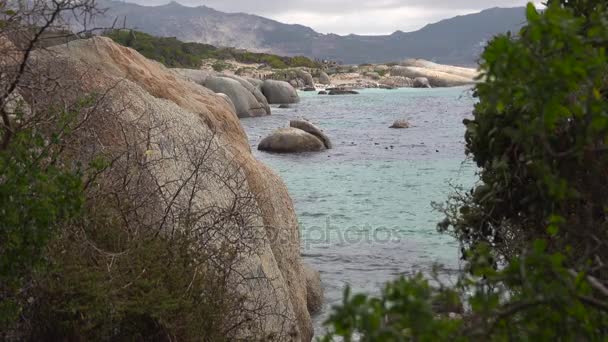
(228, 100)
(306, 77)
(324, 78)
(291, 140)
(279, 92)
(312, 129)
(256, 82)
(174, 120)
(244, 101)
(257, 92)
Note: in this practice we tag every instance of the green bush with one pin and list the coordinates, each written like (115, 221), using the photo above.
(539, 136)
(174, 53)
(220, 66)
(37, 197)
(382, 73)
(169, 51)
(534, 230)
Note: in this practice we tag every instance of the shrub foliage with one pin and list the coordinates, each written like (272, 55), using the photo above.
(533, 231)
(174, 53)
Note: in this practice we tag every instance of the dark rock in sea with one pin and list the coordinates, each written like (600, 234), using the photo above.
(339, 91)
(309, 89)
(291, 140)
(301, 136)
(322, 92)
(400, 124)
(386, 86)
(284, 106)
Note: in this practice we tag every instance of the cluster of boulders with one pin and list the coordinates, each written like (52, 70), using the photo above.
(247, 99)
(410, 73)
(300, 136)
(250, 97)
(298, 78)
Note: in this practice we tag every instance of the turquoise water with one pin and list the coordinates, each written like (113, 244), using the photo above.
(365, 207)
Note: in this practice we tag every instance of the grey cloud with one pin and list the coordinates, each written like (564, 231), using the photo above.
(348, 16)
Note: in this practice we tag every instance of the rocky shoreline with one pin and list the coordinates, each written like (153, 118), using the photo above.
(251, 89)
(410, 73)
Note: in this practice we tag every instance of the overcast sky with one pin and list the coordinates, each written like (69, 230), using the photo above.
(351, 16)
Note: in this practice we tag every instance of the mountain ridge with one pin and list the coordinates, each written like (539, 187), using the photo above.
(457, 40)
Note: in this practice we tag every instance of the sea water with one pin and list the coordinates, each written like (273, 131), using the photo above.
(365, 207)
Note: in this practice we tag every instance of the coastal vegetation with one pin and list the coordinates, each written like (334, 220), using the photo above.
(177, 54)
(533, 230)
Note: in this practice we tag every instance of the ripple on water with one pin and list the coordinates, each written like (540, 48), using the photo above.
(364, 207)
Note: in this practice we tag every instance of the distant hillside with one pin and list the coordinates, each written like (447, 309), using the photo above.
(455, 41)
(177, 54)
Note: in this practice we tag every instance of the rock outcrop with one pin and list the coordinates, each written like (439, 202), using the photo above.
(306, 77)
(280, 92)
(166, 119)
(373, 75)
(436, 78)
(312, 129)
(245, 102)
(255, 82)
(228, 100)
(291, 140)
(449, 69)
(397, 82)
(255, 89)
(341, 91)
(314, 290)
(422, 82)
(324, 78)
(298, 78)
